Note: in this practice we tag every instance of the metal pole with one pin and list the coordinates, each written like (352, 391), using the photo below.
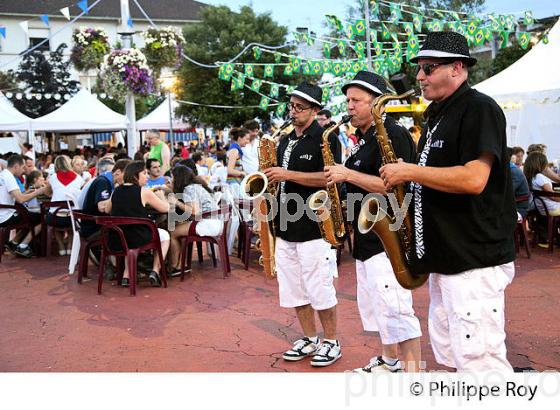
(126, 37)
(171, 136)
(368, 38)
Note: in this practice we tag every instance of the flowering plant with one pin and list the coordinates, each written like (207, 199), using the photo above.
(90, 46)
(126, 70)
(163, 47)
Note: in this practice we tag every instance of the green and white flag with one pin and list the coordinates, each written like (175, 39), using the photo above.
(472, 27)
(288, 71)
(238, 82)
(503, 39)
(349, 30)
(225, 72)
(360, 27)
(412, 47)
(523, 39)
(277, 58)
(341, 44)
(256, 86)
(360, 48)
(307, 70)
(325, 95)
(417, 21)
(281, 109)
(296, 64)
(290, 89)
(528, 18)
(317, 67)
(263, 105)
(337, 69)
(374, 9)
(274, 90)
(479, 37)
(269, 71)
(257, 52)
(327, 50)
(408, 28)
(396, 14)
(249, 70)
(385, 32)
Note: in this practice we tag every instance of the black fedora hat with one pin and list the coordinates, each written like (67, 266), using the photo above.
(368, 81)
(309, 92)
(445, 44)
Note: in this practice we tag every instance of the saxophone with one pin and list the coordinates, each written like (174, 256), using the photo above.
(398, 245)
(254, 187)
(331, 224)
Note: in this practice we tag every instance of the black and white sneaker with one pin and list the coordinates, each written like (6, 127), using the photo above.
(301, 349)
(377, 364)
(327, 354)
(11, 246)
(26, 252)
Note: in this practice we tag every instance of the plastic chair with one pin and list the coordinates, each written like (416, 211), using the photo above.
(220, 240)
(25, 223)
(85, 245)
(47, 230)
(245, 231)
(521, 229)
(552, 222)
(114, 223)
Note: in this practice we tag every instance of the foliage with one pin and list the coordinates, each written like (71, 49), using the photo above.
(220, 36)
(44, 76)
(8, 81)
(90, 47)
(126, 70)
(163, 47)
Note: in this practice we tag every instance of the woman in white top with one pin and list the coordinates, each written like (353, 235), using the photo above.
(534, 168)
(64, 184)
(218, 171)
(79, 167)
(195, 198)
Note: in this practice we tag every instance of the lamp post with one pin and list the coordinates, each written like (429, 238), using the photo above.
(126, 35)
(168, 84)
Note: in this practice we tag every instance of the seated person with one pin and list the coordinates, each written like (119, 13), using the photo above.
(155, 177)
(130, 199)
(10, 193)
(79, 167)
(196, 199)
(64, 184)
(520, 185)
(218, 171)
(535, 165)
(201, 167)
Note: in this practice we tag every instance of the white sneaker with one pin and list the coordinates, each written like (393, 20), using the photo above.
(377, 364)
(327, 354)
(301, 349)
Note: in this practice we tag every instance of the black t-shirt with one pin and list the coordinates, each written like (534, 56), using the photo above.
(304, 154)
(100, 190)
(455, 232)
(366, 158)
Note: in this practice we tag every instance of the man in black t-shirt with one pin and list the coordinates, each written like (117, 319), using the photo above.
(384, 305)
(464, 210)
(304, 260)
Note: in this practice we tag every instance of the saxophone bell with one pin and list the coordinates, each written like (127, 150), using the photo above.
(370, 214)
(254, 185)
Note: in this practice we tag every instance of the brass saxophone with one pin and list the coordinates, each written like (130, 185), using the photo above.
(254, 186)
(398, 244)
(331, 224)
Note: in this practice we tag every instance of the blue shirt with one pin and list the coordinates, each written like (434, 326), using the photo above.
(155, 182)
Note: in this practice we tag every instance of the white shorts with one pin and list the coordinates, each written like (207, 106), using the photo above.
(209, 227)
(384, 305)
(163, 235)
(305, 274)
(466, 318)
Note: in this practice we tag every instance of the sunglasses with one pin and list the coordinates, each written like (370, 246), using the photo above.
(428, 68)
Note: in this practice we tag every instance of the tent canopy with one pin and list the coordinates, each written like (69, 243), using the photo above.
(82, 113)
(10, 118)
(529, 92)
(159, 118)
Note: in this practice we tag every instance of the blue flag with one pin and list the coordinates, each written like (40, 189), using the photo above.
(3, 31)
(129, 22)
(83, 5)
(45, 19)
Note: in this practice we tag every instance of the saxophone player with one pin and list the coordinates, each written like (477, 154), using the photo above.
(464, 209)
(303, 258)
(383, 304)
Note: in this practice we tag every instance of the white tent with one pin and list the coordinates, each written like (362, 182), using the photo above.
(158, 119)
(10, 118)
(82, 113)
(529, 93)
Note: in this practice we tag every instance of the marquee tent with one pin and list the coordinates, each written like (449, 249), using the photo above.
(529, 93)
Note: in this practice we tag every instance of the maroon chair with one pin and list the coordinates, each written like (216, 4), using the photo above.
(220, 240)
(114, 223)
(245, 232)
(25, 223)
(47, 230)
(521, 228)
(85, 245)
(552, 222)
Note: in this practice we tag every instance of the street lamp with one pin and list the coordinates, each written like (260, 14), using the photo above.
(168, 84)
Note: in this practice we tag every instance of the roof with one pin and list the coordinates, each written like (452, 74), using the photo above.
(178, 10)
(10, 118)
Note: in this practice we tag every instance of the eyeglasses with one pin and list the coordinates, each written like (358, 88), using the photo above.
(297, 107)
(428, 68)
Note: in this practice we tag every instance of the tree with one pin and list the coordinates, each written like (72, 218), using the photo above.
(8, 81)
(40, 75)
(221, 35)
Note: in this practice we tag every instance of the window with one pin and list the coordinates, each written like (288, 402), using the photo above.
(33, 41)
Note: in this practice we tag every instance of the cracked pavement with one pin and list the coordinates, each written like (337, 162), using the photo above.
(211, 324)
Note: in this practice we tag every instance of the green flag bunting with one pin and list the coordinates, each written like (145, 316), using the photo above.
(327, 50)
(269, 70)
(360, 27)
(396, 14)
(249, 70)
(256, 86)
(238, 82)
(528, 18)
(417, 21)
(274, 90)
(263, 105)
(523, 40)
(281, 109)
(503, 39)
(257, 52)
(288, 71)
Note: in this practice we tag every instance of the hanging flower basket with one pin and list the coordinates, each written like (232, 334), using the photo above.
(163, 47)
(91, 45)
(126, 70)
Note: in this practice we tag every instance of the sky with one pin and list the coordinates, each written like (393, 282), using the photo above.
(310, 13)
